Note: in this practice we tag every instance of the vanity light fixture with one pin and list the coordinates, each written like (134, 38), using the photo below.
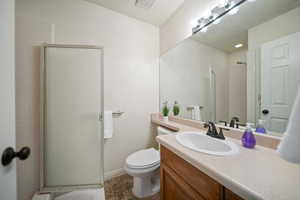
(230, 4)
(203, 30)
(194, 23)
(217, 13)
(233, 11)
(238, 45)
(217, 21)
(202, 22)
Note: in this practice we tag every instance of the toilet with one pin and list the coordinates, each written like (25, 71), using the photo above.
(143, 166)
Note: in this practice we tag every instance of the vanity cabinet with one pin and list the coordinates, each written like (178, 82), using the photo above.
(182, 181)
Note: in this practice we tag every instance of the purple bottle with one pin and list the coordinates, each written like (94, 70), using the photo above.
(248, 138)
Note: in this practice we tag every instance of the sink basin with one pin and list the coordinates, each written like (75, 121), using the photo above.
(199, 141)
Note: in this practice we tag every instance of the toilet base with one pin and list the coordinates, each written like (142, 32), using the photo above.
(146, 186)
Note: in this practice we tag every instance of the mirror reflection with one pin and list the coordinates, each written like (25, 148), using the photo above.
(245, 68)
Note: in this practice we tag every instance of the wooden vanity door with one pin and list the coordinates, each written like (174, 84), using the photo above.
(181, 181)
(174, 188)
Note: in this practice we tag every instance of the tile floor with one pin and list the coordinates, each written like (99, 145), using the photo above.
(119, 188)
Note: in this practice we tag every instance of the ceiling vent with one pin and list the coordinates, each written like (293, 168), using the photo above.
(146, 4)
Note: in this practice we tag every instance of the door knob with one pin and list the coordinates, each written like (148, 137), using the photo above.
(265, 111)
(9, 154)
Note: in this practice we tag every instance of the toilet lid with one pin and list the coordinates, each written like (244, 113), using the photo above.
(143, 158)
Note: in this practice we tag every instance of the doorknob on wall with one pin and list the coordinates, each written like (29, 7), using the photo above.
(9, 154)
(265, 111)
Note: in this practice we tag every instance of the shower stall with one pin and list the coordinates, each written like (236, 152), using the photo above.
(71, 127)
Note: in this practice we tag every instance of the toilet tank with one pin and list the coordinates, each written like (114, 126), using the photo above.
(163, 131)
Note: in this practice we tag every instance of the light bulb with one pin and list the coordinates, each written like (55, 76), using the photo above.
(229, 6)
(223, 2)
(238, 45)
(194, 23)
(234, 11)
(207, 14)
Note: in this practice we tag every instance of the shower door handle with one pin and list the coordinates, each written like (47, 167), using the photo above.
(100, 117)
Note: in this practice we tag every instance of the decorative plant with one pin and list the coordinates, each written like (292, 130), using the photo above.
(176, 109)
(165, 109)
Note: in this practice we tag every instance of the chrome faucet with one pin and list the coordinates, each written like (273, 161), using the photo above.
(213, 132)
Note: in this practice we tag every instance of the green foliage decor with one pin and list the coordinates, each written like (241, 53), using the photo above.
(176, 109)
(165, 109)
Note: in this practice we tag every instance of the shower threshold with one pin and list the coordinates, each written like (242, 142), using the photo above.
(86, 194)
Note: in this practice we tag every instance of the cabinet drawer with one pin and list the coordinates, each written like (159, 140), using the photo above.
(200, 182)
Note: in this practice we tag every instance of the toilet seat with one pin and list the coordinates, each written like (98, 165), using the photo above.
(146, 158)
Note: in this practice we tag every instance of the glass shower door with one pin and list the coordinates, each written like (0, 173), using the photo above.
(72, 156)
(212, 80)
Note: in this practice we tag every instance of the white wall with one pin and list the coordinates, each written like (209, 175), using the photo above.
(184, 77)
(280, 26)
(238, 85)
(179, 26)
(131, 51)
(8, 184)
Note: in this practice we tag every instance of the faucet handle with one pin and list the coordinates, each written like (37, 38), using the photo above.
(207, 125)
(221, 135)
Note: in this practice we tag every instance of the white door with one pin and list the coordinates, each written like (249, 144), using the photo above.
(280, 80)
(7, 98)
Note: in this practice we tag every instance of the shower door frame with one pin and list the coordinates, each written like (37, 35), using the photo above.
(69, 188)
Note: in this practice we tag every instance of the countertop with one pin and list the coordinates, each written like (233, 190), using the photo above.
(252, 173)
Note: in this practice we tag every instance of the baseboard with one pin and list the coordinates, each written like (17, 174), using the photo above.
(113, 173)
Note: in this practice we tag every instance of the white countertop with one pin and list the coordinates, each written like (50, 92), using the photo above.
(252, 174)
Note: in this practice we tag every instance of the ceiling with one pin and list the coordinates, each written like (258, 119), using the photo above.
(234, 29)
(157, 15)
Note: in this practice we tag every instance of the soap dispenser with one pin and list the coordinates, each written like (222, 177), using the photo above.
(260, 128)
(248, 138)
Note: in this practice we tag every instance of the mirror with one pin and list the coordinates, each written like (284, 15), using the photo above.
(243, 67)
